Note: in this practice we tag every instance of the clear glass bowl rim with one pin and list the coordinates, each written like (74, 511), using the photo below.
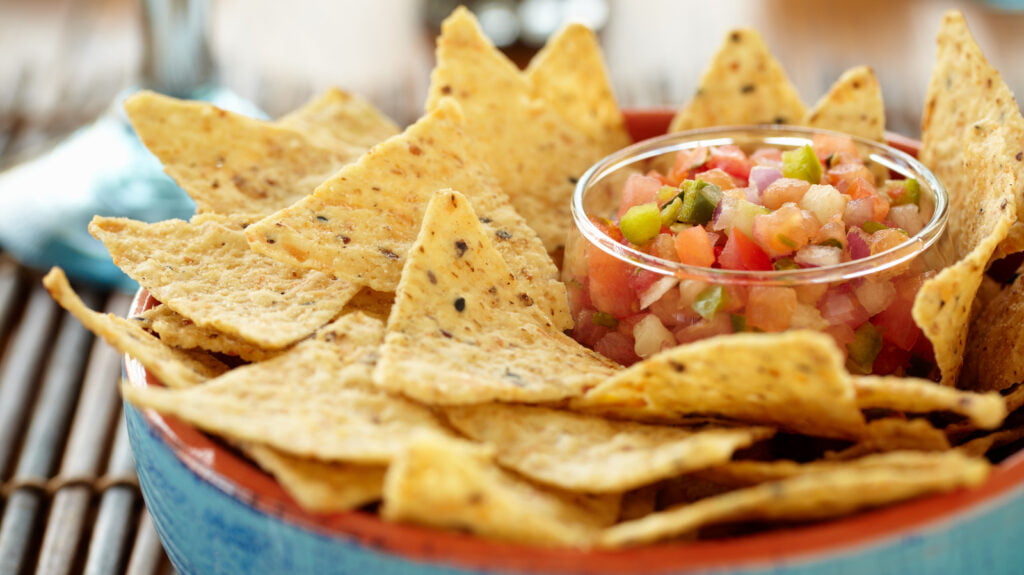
(895, 159)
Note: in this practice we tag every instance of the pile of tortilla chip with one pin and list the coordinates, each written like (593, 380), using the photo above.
(374, 316)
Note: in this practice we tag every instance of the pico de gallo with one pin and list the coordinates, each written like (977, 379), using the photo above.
(758, 210)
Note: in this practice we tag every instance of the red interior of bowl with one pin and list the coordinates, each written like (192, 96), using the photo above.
(236, 475)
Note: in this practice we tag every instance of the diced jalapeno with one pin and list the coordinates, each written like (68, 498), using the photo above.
(699, 201)
(785, 264)
(709, 301)
(911, 192)
(872, 226)
(831, 242)
(739, 322)
(667, 194)
(670, 212)
(864, 348)
(604, 319)
(641, 223)
(802, 164)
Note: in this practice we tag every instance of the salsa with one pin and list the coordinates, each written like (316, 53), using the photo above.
(761, 210)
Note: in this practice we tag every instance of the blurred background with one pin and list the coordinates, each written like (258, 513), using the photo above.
(65, 60)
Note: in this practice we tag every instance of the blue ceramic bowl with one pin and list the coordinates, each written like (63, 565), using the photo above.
(217, 513)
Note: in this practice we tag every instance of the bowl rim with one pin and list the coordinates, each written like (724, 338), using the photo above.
(242, 480)
(895, 158)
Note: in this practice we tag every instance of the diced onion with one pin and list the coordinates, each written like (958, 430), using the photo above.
(907, 217)
(818, 256)
(763, 176)
(651, 336)
(857, 244)
(875, 296)
(657, 289)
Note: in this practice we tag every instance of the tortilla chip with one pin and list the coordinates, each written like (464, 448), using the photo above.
(942, 306)
(464, 330)
(455, 484)
(744, 84)
(206, 272)
(569, 73)
(318, 486)
(173, 367)
(995, 352)
(965, 89)
(747, 473)
(312, 401)
(853, 105)
(229, 163)
(910, 395)
(337, 120)
(794, 380)
(373, 303)
(359, 224)
(893, 434)
(592, 454)
(536, 155)
(828, 493)
(980, 446)
(177, 330)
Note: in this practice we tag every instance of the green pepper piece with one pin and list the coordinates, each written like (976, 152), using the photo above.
(785, 264)
(667, 194)
(709, 301)
(911, 192)
(872, 226)
(802, 164)
(864, 348)
(831, 242)
(699, 201)
(739, 322)
(670, 212)
(604, 319)
(641, 223)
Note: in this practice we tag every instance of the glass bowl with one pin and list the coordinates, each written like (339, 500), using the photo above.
(631, 300)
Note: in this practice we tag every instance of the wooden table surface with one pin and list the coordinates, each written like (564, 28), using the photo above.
(68, 498)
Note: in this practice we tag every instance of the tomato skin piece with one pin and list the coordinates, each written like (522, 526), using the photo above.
(742, 253)
(617, 347)
(897, 324)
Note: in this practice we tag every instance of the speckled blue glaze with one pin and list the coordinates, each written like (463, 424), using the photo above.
(206, 531)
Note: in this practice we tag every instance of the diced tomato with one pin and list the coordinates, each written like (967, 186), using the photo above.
(693, 247)
(730, 159)
(687, 163)
(785, 230)
(842, 334)
(638, 189)
(587, 331)
(891, 360)
(720, 178)
(664, 247)
(784, 190)
(766, 157)
(617, 347)
(897, 324)
(741, 253)
(840, 149)
(641, 279)
(611, 286)
(770, 308)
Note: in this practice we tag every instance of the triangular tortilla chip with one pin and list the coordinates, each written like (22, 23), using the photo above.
(173, 367)
(570, 74)
(853, 105)
(995, 352)
(943, 304)
(910, 395)
(205, 271)
(360, 223)
(311, 401)
(319, 486)
(894, 434)
(536, 155)
(592, 454)
(744, 84)
(455, 484)
(822, 494)
(794, 380)
(179, 331)
(464, 330)
(230, 163)
(338, 120)
(965, 89)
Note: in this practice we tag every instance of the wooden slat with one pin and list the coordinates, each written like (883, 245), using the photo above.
(115, 522)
